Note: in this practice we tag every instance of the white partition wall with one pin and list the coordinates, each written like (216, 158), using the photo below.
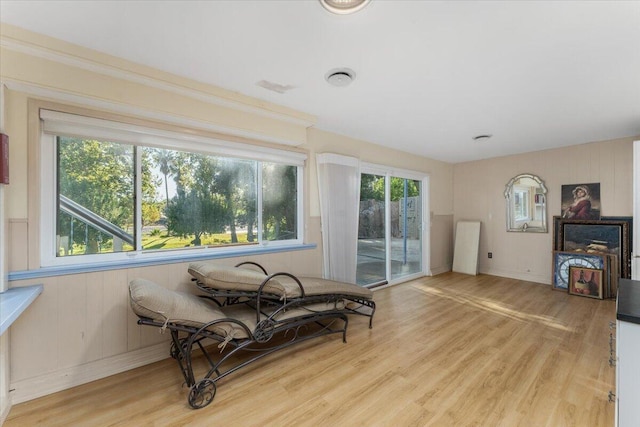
(5, 404)
(3, 228)
(635, 265)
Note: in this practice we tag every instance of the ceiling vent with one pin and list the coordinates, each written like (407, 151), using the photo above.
(340, 77)
(344, 7)
(275, 87)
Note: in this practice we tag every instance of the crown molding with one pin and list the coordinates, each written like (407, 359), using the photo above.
(301, 119)
(124, 109)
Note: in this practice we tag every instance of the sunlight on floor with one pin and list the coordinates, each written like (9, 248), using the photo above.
(493, 307)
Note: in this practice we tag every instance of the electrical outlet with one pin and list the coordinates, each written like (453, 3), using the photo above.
(490, 255)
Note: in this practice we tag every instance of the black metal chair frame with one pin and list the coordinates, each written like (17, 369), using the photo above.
(281, 332)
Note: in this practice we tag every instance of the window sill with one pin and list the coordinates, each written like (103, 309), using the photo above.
(160, 260)
(14, 301)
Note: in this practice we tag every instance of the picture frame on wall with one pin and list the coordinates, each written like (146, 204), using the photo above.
(581, 201)
(563, 261)
(597, 237)
(586, 282)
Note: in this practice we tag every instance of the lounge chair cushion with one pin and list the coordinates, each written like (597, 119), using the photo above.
(317, 286)
(153, 301)
(228, 278)
(223, 277)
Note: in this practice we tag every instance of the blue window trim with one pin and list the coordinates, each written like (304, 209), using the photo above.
(14, 301)
(168, 259)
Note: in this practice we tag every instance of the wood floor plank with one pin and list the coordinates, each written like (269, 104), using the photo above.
(444, 351)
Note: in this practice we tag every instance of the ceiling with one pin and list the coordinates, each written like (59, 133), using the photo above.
(430, 75)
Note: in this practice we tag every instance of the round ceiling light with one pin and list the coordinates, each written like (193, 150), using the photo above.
(344, 7)
(340, 77)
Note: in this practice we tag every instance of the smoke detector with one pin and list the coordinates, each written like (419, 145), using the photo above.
(344, 7)
(340, 77)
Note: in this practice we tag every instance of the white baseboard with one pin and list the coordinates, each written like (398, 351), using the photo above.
(440, 270)
(6, 407)
(32, 388)
(545, 280)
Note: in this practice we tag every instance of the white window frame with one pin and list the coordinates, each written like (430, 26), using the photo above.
(55, 123)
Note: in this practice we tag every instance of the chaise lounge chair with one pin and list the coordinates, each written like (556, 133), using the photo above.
(247, 313)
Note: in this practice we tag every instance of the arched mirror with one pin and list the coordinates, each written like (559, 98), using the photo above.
(526, 198)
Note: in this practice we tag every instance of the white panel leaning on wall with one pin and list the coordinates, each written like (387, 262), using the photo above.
(467, 246)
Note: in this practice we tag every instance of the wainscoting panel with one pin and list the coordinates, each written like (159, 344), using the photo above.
(17, 241)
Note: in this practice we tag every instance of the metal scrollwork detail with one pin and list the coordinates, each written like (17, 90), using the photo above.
(264, 331)
(202, 393)
(178, 353)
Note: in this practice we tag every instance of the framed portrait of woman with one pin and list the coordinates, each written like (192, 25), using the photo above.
(581, 201)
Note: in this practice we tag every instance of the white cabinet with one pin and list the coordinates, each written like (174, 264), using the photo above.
(628, 374)
(628, 354)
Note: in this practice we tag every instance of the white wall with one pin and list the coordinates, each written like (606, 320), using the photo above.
(5, 403)
(478, 195)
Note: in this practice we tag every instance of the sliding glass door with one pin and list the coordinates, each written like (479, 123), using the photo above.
(390, 232)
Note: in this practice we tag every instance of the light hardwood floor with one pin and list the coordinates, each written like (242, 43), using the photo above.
(445, 350)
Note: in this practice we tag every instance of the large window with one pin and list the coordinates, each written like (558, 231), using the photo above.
(118, 190)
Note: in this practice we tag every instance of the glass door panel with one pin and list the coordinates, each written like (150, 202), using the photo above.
(372, 258)
(406, 227)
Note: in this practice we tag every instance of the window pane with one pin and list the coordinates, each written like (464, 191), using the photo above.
(406, 228)
(371, 267)
(279, 202)
(207, 200)
(95, 197)
(521, 203)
